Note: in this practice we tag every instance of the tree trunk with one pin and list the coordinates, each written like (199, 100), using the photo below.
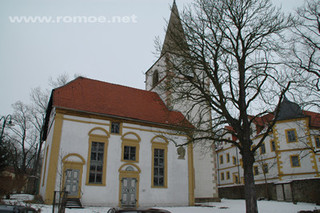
(249, 187)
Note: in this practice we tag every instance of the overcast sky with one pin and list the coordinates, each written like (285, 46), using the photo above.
(31, 53)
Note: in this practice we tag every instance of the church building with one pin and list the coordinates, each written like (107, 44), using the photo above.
(112, 145)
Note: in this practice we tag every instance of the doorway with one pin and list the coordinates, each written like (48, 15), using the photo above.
(129, 192)
(72, 182)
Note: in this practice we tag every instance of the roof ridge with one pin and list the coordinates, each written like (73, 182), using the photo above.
(105, 82)
(96, 96)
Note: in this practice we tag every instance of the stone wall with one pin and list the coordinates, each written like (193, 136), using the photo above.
(306, 190)
(302, 191)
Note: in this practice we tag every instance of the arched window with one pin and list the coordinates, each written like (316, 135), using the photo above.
(155, 78)
(97, 157)
(130, 147)
(159, 162)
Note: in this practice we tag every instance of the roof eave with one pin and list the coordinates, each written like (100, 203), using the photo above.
(116, 117)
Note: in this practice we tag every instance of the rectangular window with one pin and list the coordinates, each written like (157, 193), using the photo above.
(228, 157)
(221, 159)
(96, 163)
(234, 160)
(273, 146)
(235, 178)
(255, 170)
(291, 135)
(295, 161)
(265, 168)
(262, 149)
(317, 139)
(129, 153)
(158, 167)
(115, 127)
(228, 175)
(222, 176)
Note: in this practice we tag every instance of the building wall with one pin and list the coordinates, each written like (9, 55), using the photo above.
(278, 161)
(306, 190)
(204, 153)
(50, 164)
(301, 148)
(74, 147)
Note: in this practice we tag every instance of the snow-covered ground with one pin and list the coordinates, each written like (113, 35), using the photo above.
(225, 206)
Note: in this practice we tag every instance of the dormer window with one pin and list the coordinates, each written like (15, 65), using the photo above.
(155, 78)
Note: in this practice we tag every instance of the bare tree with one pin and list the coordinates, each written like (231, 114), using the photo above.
(39, 99)
(226, 60)
(23, 141)
(306, 53)
(266, 165)
(61, 80)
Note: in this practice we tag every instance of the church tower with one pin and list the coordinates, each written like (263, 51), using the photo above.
(159, 79)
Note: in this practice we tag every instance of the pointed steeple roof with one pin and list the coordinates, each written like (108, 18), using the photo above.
(175, 38)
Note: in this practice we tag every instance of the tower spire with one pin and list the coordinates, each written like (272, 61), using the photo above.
(175, 38)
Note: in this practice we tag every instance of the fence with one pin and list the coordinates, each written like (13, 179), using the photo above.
(59, 201)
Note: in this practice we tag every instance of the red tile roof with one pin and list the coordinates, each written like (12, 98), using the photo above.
(263, 120)
(92, 96)
(314, 118)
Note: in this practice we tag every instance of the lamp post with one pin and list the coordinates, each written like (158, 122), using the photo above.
(5, 119)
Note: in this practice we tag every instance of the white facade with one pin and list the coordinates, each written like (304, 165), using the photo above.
(203, 152)
(280, 159)
(77, 132)
(74, 151)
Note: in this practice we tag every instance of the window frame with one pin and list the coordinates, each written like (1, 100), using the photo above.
(234, 160)
(111, 128)
(298, 160)
(228, 158)
(228, 175)
(221, 159)
(295, 135)
(255, 170)
(273, 147)
(265, 168)
(315, 141)
(262, 148)
(163, 146)
(155, 78)
(130, 143)
(235, 178)
(222, 176)
(98, 139)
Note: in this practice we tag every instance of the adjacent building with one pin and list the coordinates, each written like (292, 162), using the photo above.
(291, 153)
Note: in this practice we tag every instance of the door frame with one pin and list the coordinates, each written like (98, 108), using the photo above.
(65, 179)
(124, 173)
(68, 164)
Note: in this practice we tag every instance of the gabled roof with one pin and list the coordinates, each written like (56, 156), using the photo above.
(92, 96)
